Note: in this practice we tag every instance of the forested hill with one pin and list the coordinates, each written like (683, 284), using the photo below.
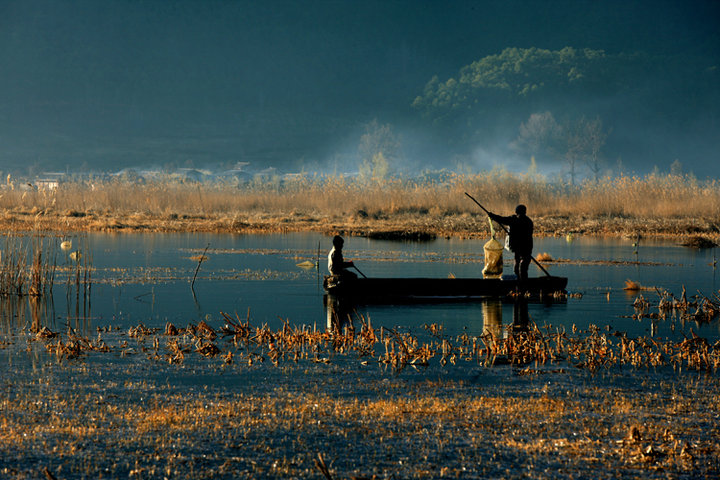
(648, 104)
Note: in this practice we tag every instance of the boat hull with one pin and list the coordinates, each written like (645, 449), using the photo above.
(429, 288)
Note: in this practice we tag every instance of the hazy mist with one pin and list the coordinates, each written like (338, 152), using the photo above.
(104, 85)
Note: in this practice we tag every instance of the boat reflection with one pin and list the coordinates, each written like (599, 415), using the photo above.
(341, 312)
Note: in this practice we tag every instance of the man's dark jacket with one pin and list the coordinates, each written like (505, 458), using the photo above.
(521, 232)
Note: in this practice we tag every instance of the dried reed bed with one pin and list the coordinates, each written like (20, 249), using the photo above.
(664, 204)
(442, 428)
(653, 196)
(439, 429)
(527, 346)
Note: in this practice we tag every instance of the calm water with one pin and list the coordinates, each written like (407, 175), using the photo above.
(147, 279)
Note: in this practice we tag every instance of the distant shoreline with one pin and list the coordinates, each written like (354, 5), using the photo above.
(403, 227)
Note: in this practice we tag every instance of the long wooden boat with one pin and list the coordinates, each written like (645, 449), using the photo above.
(431, 288)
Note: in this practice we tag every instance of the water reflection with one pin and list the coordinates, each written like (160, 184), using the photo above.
(34, 312)
(35, 305)
(492, 318)
(492, 312)
(21, 312)
(339, 314)
(147, 279)
(521, 318)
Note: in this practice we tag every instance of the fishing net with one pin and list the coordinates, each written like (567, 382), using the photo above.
(493, 256)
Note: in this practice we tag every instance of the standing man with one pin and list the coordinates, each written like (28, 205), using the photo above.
(521, 242)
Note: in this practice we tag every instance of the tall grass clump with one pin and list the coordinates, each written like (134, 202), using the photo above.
(28, 268)
(652, 196)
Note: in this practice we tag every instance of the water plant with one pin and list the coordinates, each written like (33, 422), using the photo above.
(520, 345)
(27, 265)
(309, 420)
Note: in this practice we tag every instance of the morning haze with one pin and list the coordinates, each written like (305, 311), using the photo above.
(102, 86)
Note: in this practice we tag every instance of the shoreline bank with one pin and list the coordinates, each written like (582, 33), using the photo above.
(401, 227)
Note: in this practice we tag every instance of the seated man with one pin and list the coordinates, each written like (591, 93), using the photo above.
(336, 263)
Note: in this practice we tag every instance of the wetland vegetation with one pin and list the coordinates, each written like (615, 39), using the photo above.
(162, 314)
(234, 397)
(661, 205)
(245, 400)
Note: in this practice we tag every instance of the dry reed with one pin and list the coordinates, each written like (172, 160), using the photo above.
(654, 204)
(590, 349)
(439, 428)
(27, 265)
(544, 257)
(434, 430)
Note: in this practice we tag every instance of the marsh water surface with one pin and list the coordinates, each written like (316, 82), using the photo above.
(274, 278)
(111, 391)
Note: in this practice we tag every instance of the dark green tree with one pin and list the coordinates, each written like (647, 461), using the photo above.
(520, 73)
(490, 95)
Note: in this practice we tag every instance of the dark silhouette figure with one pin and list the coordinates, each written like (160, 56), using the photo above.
(336, 263)
(521, 241)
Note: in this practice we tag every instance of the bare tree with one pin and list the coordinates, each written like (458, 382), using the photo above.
(594, 138)
(537, 135)
(676, 168)
(571, 144)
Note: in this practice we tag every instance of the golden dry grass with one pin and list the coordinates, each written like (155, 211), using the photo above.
(544, 257)
(550, 415)
(654, 204)
(154, 433)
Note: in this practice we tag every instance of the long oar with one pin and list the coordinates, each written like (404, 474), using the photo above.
(508, 233)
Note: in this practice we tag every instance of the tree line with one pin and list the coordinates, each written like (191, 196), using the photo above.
(551, 106)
